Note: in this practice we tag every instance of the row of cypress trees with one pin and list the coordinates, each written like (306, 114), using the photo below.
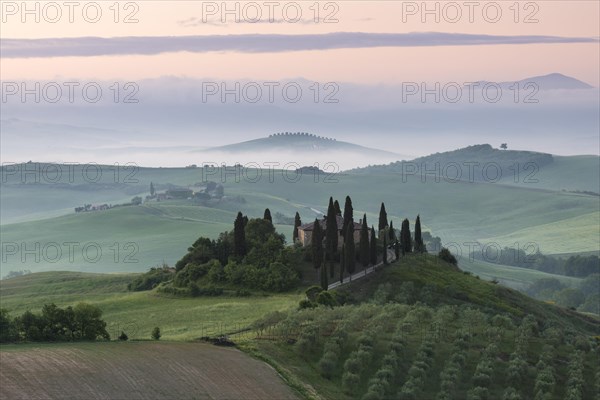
(324, 256)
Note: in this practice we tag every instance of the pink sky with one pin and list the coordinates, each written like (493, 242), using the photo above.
(364, 65)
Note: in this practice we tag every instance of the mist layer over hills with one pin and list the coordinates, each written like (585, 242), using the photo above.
(176, 117)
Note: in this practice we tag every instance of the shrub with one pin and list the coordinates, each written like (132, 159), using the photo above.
(327, 364)
(325, 298)
(350, 382)
(511, 394)
(156, 333)
(194, 289)
(123, 336)
(312, 292)
(151, 279)
(383, 293)
(445, 255)
(305, 303)
(478, 393)
(406, 293)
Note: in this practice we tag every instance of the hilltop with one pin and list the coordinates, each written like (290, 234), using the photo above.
(485, 164)
(554, 81)
(301, 142)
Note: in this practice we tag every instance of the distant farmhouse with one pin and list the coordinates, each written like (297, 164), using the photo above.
(305, 231)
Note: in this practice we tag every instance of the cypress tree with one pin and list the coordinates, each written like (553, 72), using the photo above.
(348, 215)
(385, 260)
(297, 223)
(419, 247)
(373, 244)
(152, 191)
(239, 236)
(331, 238)
(364, 244)
(349, 255)
(245, 219)
(267, 215)
(405, 238)
(342, 263)
(392, 233)
(383, 222)
(338, 210)
(317, 247)
(324, 282)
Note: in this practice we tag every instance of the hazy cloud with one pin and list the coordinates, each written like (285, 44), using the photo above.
(255, 43)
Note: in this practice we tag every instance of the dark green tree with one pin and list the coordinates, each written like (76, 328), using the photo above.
(152, 189)
(405, 239)
(267, 215)
(338, 210)
(297, 223)
(364, 243)
(350, 252)
(385, 244)
(317, 247)
(239, 236)
(8, 330)
(419, 246)
(392, 232)
(445, 255)
(156, 333)
(342, 263)
(348, 214)
(324, 282)
(373, 246)
(331, 236)
(383, 222)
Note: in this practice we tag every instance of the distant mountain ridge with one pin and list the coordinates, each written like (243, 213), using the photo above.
(554, 81)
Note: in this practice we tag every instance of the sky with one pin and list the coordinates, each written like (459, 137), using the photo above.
(179, 20)
(369, 48)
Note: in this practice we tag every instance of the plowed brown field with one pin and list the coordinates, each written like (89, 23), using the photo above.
(136, 370)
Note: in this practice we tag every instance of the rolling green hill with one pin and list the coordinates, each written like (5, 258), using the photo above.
(400, 332)
(136, 238)
(138, 312)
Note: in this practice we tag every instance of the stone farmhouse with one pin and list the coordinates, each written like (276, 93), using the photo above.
(305, 231)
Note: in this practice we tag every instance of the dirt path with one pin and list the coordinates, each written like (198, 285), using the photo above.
(391, 257)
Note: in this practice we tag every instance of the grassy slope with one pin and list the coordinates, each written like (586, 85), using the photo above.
(513, 277)
(571, 235)
(138, 312)
(483, 295)
(428, 269)
(569, 173)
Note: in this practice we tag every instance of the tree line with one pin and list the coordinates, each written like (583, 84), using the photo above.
(54, 324)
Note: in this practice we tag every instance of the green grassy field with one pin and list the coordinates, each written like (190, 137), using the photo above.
(138, 313)
(457, 212)
(572, 235)
(512, 277)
